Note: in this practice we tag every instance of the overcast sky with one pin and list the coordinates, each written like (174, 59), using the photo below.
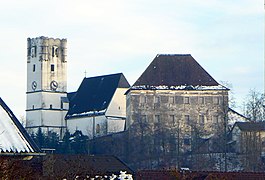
(111, 36)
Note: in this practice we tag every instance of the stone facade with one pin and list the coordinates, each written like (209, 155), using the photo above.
(184, 108)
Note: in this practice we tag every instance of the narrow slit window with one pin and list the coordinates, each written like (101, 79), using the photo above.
(34, 67)
(52, 67)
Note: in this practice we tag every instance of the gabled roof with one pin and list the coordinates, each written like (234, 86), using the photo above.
(95, 93)
(13, 137)
(175, 71)
(251, 126)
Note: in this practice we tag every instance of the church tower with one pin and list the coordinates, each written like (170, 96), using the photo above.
(47, 102)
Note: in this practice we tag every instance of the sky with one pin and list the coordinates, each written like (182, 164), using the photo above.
(112, 36)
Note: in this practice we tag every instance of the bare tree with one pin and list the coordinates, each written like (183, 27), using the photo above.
(254, 106)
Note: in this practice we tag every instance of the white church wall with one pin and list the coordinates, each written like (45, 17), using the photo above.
(53, 117)
(115, 125)
(85, 124)
(117, 106)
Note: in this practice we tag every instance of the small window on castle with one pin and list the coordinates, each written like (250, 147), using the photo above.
(34, 67)
(172, 119)
(186, 100)
(215, 119)
(52, 67)
(143, 99)
(157, 99)
(201, 100)
(186, 141)
(187, 119)
(216, 100)
(98, 129)
(144, 119)
(171, 100)
(157, 119)
(201, 119)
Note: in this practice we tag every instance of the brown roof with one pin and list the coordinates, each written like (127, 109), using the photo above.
(251, 126)
(65, 165)
(174, 70)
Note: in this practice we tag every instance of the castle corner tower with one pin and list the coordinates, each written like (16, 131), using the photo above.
(47, 102)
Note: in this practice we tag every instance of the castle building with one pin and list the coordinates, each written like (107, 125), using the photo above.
(175, 92)
(47, 102)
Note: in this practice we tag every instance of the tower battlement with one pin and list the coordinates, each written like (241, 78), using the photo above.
(44, 48)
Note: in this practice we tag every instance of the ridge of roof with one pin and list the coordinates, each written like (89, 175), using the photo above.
(175, 70)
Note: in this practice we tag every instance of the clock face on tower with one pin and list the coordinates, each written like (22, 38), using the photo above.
(54, 85)
(34, 85)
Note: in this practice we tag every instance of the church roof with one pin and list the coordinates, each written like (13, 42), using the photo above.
(13, 137)
(95, 93)
(175, 71)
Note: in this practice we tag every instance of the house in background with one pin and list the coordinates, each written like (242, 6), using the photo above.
(249, 134)
(14, 140)
(234, 117)
(98, 107)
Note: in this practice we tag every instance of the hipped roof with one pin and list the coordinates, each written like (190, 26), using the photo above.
(172, 71)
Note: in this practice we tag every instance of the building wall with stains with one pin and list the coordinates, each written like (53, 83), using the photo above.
(183, 108)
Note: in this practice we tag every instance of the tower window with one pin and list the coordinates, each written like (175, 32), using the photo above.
(54, 51)
(50, 106)
(34, 67)
(52, 67)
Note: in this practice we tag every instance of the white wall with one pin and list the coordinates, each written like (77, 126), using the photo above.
(115, 125)
(85, 124)
(117, 106)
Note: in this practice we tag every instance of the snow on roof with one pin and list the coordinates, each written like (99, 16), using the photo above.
(13, 137)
